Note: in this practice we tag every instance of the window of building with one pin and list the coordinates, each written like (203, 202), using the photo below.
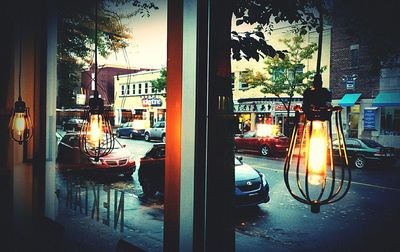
(140, 88)
(128, 89)
(146, 87)
(233, 80)
(278, 73)
(296, 72)
(390, 120)
(123, 90)
(390, 74)
(242, 84)
(133, 88)
(354, 51)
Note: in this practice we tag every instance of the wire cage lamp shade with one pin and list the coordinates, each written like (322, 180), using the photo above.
(20, 125)
(96, 138)
(316, 169)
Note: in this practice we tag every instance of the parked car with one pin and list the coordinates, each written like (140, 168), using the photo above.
(73, 124)
(131, 130)
(264, 145)
(365, 152)
(251, 186)
(70, 158)
(155, 132)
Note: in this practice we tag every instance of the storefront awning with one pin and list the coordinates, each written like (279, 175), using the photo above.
(387, 99)
(349, 100)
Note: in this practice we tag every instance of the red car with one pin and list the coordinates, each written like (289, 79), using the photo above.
(265, 145)
(70, 158)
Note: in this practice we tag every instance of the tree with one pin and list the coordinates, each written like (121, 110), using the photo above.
(76, 37)
(263, 15)
(284, 76)
(160, 84)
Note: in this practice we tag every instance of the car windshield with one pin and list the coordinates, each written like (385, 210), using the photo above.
(371, 143)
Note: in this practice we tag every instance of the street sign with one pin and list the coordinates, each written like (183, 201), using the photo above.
(350, 84)
(369, 118)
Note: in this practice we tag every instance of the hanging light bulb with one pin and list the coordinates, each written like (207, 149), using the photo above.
(310, 159)
(96, 137)
(20, 125)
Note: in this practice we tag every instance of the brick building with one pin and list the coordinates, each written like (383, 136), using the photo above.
(105, 80)
(371, 99)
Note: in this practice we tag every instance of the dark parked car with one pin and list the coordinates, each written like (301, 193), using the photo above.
(364, 152)
(251, 186)
(73, 124)
(131, 130)
(70, 158)
(264, 145)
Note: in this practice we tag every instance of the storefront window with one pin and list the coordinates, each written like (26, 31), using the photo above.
(390, 120)
(102, 204)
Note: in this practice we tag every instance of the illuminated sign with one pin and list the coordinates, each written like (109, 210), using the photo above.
(151, 102)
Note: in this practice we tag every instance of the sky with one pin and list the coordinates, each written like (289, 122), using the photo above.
(148, 48)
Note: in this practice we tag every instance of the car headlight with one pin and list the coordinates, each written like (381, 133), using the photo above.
(264, 180)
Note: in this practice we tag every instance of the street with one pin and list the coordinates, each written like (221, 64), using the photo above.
(364, 220)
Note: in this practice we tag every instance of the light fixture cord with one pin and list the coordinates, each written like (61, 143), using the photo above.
(317, 83)
(20, 64)
(320, 31)
(95, 53)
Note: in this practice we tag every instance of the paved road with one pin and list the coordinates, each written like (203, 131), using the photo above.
(359, 222)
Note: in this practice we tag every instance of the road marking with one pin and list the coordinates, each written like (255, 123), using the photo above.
(353, 182)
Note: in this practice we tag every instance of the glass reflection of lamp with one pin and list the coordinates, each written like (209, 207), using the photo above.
(310, 161)
(20, 125)
(96, 137)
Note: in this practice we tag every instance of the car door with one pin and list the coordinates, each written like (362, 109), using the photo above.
(157, 130)
(124, 129)
(353, 148)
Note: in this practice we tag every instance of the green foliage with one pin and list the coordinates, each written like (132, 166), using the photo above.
(284, 76)
(76, 36)
(264, 15)
(160, 84)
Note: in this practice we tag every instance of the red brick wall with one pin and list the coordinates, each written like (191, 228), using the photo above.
(105, 81)
(367, 82)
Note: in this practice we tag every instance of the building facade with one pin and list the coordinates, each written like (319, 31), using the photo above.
(370, 98)
(251, 106)
(136, 99)
(105, 80)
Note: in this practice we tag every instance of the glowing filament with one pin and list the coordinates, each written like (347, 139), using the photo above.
(317, 153)
(96, 129)
(19, 123)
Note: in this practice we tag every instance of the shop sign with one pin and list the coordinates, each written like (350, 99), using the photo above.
(369, 119)
(281, 107)
(151, 102)
(80, 99)
(253, 107)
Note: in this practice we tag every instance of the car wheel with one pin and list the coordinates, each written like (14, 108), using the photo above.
(131, 136)
(148, 189)
(163, 138)
(359, 162)
(265, 151)
(147, 137)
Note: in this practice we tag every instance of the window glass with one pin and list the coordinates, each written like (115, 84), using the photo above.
(390, 121)
(100, 202)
